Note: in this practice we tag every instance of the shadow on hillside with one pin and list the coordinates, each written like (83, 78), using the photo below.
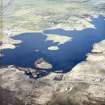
(8, 98)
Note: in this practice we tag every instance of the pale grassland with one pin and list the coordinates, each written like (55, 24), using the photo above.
(1, 37)
(37, 15)
(58, 39)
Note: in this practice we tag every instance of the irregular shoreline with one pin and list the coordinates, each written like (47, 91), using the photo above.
(84, 85)
(9, 43)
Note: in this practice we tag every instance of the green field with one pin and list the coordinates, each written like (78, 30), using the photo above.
(1, 37)
(37, 15)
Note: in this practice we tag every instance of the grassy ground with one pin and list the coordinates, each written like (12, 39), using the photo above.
(37, 15)
(1, 37)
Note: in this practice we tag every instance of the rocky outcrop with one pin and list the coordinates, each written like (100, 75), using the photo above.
(83, 85)
(30, 91)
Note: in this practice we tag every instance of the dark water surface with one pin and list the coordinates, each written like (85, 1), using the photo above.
(69, 54)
